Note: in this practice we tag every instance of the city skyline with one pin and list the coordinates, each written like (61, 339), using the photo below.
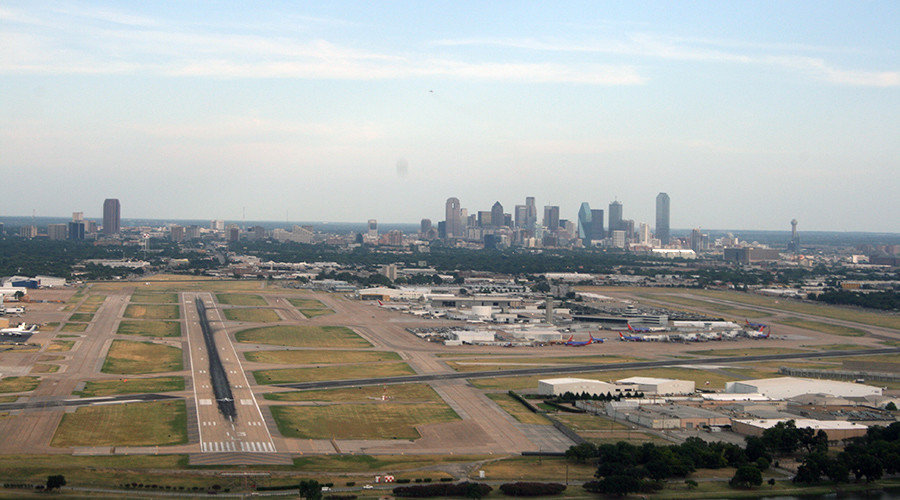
(350, 111)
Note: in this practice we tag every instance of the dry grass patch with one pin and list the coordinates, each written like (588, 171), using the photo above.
(240, 299)
(44, 368)
(81, 317)
(731, 311)
(48, 327)
(312, 313)
(94, 388)
(537, 469)
(305, 357)
(252, 315)
(587, 422)
(154, 298)
(292, 375)
(150, 328)
(366, 463)
(395, 393)
(174, 283)
(152, 311)
(307, 304)
(360, 421)
(18, 384)
(60, 345)
(752, 351)
(303, 336)
(74, 327)
(129, 357)
(133, 424)
(517, 409)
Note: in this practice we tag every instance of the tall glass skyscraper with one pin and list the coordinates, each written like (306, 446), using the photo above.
(452, 213)
(112, 216)
(662, 218)
(615, 216)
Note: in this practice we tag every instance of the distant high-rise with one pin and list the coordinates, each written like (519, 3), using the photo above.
(615, 216)
(425, 226)
(57, 231)
(452, 227)
(696, 240)
(662, 218)
(373, 228)
(585, 220)
(531, 213)
(551, 218)
(497, 218)
(597, 224)
(521, 215)
(112, 216)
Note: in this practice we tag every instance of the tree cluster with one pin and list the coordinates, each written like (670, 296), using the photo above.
(528, 489)
(570, 397)
(869, 457)
(888, 300)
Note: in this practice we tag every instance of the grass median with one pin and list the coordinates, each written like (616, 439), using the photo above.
(252, 315)
(95, 388)
(154, 298)
(157, 423)
(150, 328)
(818, 326)
(321, 373)
(240, 299)
(130, 357)
(18, 384)
(311, 357)
(397, 393)
(360, 421)
(152, 311)
(303, 336)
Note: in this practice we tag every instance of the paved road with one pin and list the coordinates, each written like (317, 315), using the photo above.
(585, 368)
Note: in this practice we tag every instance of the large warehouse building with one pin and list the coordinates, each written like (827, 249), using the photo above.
(559, 386)
(788, 387)
(836, 430)
(660, 386)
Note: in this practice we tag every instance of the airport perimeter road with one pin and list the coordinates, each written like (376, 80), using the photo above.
(331, 384)
(248, 432)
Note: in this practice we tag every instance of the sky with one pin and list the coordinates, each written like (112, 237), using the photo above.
(747, 114)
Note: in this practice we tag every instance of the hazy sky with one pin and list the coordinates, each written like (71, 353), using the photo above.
(747, 113)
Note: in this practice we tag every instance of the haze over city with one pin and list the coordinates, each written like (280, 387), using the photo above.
(748, 115)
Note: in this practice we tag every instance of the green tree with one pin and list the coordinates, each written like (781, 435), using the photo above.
(310, 489)
(746, 476)
(55, 482)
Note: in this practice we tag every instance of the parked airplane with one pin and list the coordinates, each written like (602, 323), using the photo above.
(22, 328)
(631, 338)
(762, 333)
(755, 326)
(637, 330)
(591, 340)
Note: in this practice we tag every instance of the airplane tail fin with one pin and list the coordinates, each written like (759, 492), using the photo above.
(621, 336)
(630, 329)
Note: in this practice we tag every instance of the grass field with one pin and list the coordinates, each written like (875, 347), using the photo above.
(837, 347)
(94, 299)
(252, 315)
(731, 311)
(81, 317)
(44, 368)
(367, 463)
(320, 357)
(288, 375)
(18, 384)
(240, 299)
(529, 383)
(585, 422)
(88, 308)
(396, 393)
(60, 345)
(826, 311)
(154, 298)
(74, 327)
(818, 326)
(132, 424)
(517, 409)
(48, 327)
(359, 421)
(130, 357)
(313, 313)
(538, 469)
(753, 351)
(150, 328)
(152, 311)
(303, 336)
(94, 388)
(307, 304)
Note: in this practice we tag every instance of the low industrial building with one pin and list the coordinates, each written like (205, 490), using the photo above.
(789, 387)
(660, 386)
(836, 430)
(676, 417)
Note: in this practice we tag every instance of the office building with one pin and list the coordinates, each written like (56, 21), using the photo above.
(112, 217)
(497, 217)
(57, 232)
(217, 225)
(644, 233)
(520, 215)
(373, 228)
(28, 232)
(176, 233)
(77, 227)
(696, 240)
(618, 238)
(551, 218)
(234, 233)
(531, 213)
(585, 218)
(662, 218)
(484, 218)
(424, 226)
(453, 225)
(192, 232)
(615, 216)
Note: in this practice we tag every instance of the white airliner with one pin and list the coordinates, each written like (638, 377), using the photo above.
(22, 328)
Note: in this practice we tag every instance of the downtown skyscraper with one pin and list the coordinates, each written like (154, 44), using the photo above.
(112, 217)
(662, 218)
